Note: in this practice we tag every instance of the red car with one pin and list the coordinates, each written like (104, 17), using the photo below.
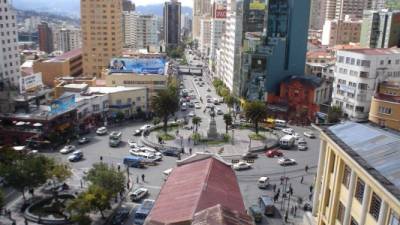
(274, 153)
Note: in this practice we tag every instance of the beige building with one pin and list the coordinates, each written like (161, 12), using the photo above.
(201, 9)
(357, 181)
(68, 64)
(385, 106)
(101, 24)
(341, 32)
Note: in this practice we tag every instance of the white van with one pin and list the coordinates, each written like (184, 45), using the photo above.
(280, 123)
(184, 106)
(263, 182)
(287, 141)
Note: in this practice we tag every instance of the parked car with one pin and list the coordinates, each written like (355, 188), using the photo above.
(286, 161)
(101, 131)
(209, 105)
(75, 156)
(67, 149)
(191, 114)
(289, 131)
(138, 194)
(241, 166)
(137, 133)
(309, 134)
(83, 140)
(296, 136)
(197, 106)
(209, 100)
(255, 212)
(145, 127)
(263, 182)
(219, 112)
(120, 216)
(191, 105)
(249, 155)
(274, 153)
(302, 147)
(170, 152)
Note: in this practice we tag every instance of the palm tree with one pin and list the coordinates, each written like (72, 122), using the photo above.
(230, 101)
(165, 104)
(228, 121)
(255, 111)
(196, 121)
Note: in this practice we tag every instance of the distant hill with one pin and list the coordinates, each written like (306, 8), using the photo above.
(157, 9)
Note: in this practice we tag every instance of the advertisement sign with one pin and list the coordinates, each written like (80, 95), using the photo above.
(257, 5)
(220, 10)
(347, 88)
(63, 104)
(30, 82)
(136, 65)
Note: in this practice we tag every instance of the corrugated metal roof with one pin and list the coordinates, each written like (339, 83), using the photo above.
(380, 149)
(193, 187)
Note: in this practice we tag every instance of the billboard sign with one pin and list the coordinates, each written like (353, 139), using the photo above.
(220, 10)
(62, 104)
(30, 82)
(257, 5)
(138, 65)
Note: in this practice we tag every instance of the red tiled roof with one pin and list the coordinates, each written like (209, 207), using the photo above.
(220, 215)
(375, 51)
(193, 187)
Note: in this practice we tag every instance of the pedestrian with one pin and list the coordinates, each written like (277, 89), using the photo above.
(101, 158)
(276, 197)
(290, 190)
(279, 191)
(301, 180)
(295, 210)
(190, 151)
(143, 177)
(189, 140)
(26, 221)
(286, 216)
(292, 210)
(183, 150)
(274, 187)
(306, 168)
(311, 188)
(137, 179)
(310, 197)
(282, 180)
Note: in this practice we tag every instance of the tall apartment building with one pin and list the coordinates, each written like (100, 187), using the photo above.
(140, 31)
(128, 6)
(201, 9)
(186, 25)
(69, 39)
(317, 14)
(101, 34)
(357, 75)
(357, 178)
(337, 32)
(217, 31)
(205, 37)
(380, 29)
(172, 23)
(9, 56)
(45, 38)
(338, 9)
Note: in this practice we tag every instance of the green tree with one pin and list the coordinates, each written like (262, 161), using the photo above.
(255, 111)
(58, 173)
(106, 177)
(230, 101)
(334, 114)
(98, 199)
(79, 208)
(156, 121)
(119, 116)
(23, 174)
(165, 104)
(196, 121)
(228, 121)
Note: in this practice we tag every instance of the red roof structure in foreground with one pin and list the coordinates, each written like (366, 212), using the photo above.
(220, 215)
(193, 187)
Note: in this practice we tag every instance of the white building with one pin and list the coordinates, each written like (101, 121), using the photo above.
(69, 39)
(230, 56)
(341, 32)
(357, 74)
(140, 31)
(205, 36)
(217, 31)
(9, 56)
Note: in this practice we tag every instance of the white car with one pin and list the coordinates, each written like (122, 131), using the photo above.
(145, 127)
(289, 131)
(302, 147)
(296, 136)
(138, 194)
(286, 161)
(209, 105)
(191, 114)
(241, 166)
(151, 150)
(132, 144)
(101, 131)
(197, 106)
(219, 112)
(309, 134)
(67, 149)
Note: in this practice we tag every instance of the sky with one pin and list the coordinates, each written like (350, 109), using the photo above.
(147, 2)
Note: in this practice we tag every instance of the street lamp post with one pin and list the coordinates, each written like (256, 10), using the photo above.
(250, 143)
(233, 133)
(127, 175)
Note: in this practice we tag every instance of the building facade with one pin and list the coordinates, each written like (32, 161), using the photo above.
(341, 32)
(172, 23)
(317, 14)
(201, 9)
(69, 39)
(357, 75)
(380, 29)
(101, 34)
(357, 181)
(9, 56)
(338, 9)
(45, 38)
(140, 31)
(205, 37)
(385, 106)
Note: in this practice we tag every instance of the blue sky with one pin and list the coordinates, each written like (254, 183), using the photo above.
(147, 2)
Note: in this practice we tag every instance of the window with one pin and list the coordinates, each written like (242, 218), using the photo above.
(340, 212)
(346, 176)
(394, 218)
(96, 108)
(138, 99)
(119, 102)
(365, 63)
(359, 193)
(129, 101)
(375, 206)
(385, 110)
(353, 221)
(360, 109)
(362, 86)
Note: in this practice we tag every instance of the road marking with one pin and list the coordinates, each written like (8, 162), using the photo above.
(150, 186)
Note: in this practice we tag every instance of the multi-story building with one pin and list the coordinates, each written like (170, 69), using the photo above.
(186, 25)
(205, 37)
(385, 106)
(69, 39)
(218, 21)
(317, 14)
(357, 178)
(128, 5)
(380, 29)
(357, 75)
(45, 38)
(336, 32)
(338, 9)
(201, 9)
(317, 60)
(172, 23)
(68, 64)
(9, 56)
(140, 31)
(101, 34)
